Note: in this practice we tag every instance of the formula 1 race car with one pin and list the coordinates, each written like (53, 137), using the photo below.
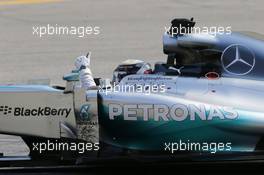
(205, 101)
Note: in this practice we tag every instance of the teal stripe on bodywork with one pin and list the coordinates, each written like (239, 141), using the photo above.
(19, 88)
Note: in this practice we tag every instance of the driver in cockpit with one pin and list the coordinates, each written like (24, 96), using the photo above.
(128, 67)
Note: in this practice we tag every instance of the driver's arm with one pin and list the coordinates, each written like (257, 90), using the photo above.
(82, 63)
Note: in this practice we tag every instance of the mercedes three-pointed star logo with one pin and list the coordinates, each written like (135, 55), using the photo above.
(237, 59)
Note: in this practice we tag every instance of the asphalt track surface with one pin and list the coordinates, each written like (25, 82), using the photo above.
(128, 30)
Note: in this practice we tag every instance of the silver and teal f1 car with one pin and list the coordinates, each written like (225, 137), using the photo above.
(206, 100)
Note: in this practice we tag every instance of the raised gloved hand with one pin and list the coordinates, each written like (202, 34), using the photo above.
(83, 62)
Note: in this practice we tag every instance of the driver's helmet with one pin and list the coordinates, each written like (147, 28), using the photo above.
(130, 67)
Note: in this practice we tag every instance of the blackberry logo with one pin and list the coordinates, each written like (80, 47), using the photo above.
(40, 111)
(5, 110)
